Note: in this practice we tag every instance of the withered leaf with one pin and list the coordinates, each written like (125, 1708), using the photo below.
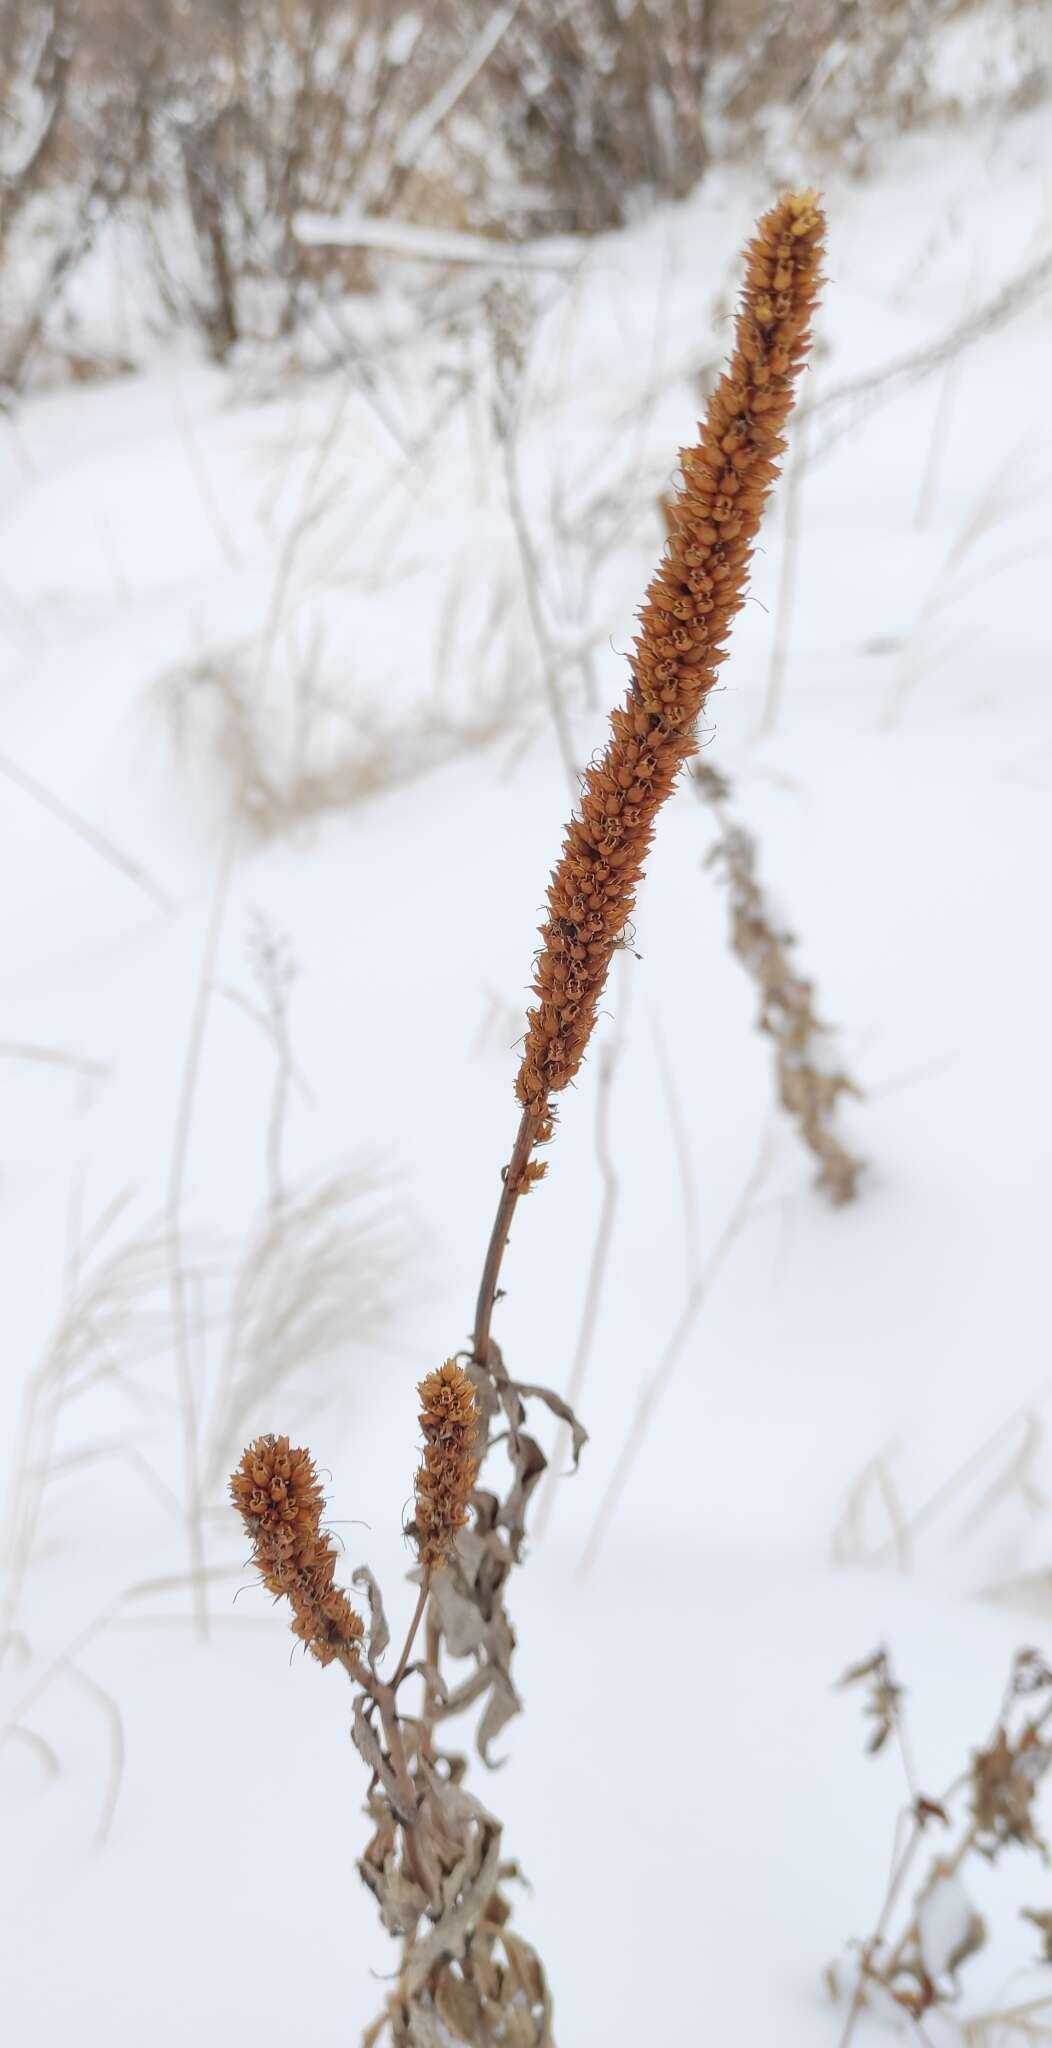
(501, 1707)
(485, 1968)
(462, 1625)
(432, 1677)
(450, 1935)
(530, 1465)
(459, 1806)
(525, 1967)
(366, 1742)
(460, 2008)
(560, 1408)
(465, 1694)
(401, 1902)
(930, 1809)
(425, 2030)
(517, 2027)
(379, 1633)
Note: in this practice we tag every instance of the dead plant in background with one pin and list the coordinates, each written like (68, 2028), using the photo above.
(77, 98)
(318, 1274)
(435, 1862)
(330, 752)
(810, 1084)
(928, 1927)
(216, 128)
(1002, 1477)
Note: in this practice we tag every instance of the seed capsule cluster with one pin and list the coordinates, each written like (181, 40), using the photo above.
(449, 1423)
(278, 1494)
(694, 596)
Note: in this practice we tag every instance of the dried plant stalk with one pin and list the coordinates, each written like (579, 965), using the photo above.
(697, 591)
(809, 1086)
(700, 586)
(434, 1862)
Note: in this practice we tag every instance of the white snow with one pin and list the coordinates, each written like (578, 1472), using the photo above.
(686, 1791)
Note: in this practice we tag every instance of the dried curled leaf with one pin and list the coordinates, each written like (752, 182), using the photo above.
(449, 1938)
(379, 1633)
(367, 1743)
(494, 1996)
(884, 1704)
(459, 2007)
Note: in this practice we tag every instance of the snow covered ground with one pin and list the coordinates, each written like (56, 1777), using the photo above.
(273, 634)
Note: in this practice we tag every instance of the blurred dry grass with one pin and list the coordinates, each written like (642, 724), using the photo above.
(211, 129)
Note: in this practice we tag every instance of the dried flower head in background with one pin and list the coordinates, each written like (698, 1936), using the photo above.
(697, 591)
(449, 1421)
(810, 1082)
(278, 1494)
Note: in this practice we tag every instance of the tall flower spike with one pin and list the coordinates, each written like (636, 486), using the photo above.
(697, 591)
(449, 1421)
(278, 1495)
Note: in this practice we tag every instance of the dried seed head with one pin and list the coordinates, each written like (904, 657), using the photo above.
(449, 1421)
(278, 1495)
(700, 586)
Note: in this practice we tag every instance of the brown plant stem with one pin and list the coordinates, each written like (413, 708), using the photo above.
(530, 1124)
(525, 1140)
(383, 1694)
(407, 1646)
(124, 863)
(611, 1187)
(432, 1654)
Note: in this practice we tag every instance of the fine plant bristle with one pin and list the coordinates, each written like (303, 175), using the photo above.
(449, 1422)
(690, 604)
(278, 1494)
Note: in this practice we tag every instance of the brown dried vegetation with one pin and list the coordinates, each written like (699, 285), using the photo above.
(696, 593)
(449, 1422)
(434, 1861)
(989, 1807)
(809, 1085)
(277, 1492)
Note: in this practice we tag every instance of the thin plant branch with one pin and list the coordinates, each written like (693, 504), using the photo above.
(657, 1385)
(100, 843)
(609, 1057)
(174, 1206)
